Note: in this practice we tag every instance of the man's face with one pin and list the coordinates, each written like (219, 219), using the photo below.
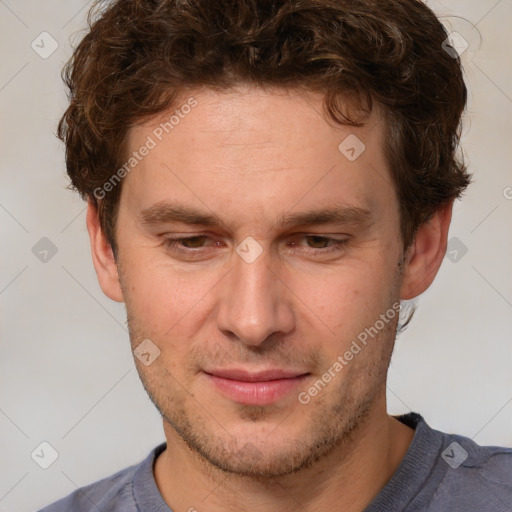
(246, 327)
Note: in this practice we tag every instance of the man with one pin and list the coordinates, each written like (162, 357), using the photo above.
(266, 182)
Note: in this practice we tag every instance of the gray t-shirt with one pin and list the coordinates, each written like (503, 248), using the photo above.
(439, 473)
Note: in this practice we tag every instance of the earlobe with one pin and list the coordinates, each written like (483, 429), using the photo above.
(103, 256)
(426, 253)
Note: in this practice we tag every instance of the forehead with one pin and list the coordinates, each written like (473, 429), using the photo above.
(268, 149)
(249, 116)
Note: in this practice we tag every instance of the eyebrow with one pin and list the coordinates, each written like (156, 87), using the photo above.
(168, 212)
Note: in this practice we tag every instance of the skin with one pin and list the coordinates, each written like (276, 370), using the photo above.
(250, 156)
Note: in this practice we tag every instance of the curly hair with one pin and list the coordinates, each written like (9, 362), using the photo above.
(137, 56)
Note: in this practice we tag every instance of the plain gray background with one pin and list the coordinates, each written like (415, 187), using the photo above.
(67, 376)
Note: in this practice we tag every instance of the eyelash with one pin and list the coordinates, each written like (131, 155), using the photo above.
(336, 245)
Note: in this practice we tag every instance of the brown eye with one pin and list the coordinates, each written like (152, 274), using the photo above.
(318, 242)
(191, 242)
(322, 243)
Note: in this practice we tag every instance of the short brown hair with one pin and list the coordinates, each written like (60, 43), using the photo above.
(138, 55)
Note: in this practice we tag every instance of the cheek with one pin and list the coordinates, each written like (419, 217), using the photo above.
(165, 303)
(345, 301)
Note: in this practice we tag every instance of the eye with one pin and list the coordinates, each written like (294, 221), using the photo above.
(199, 246)
(323, 244)
(191, 242)
(322, 241)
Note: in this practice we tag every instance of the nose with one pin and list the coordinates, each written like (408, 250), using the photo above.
(255, 303)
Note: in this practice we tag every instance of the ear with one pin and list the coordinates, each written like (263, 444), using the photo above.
(425, 254)
(103, 256)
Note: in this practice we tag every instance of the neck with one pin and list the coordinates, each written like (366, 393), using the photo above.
(347, 479)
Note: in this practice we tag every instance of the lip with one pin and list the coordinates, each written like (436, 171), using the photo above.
(255, 388)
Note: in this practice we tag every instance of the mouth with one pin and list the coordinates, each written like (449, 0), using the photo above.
(255, 388)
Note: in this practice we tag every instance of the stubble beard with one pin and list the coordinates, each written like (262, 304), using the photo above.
(332, 426)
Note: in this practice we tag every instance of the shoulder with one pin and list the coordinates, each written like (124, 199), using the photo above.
(444, 472)
(111, 494)
(478, 477)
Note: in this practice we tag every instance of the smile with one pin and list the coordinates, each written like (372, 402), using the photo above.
(260, 388)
